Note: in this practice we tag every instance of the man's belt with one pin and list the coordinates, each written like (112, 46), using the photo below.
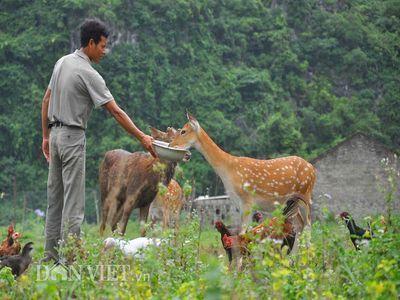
(61, 124)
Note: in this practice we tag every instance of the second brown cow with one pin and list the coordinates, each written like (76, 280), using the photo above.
(129, 181)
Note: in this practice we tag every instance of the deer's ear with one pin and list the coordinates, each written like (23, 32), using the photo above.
(155, 133)
(193, 122)
(171, 132)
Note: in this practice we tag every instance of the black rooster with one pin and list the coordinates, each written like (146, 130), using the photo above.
(20, 262)
(358, 235)
(258, 217)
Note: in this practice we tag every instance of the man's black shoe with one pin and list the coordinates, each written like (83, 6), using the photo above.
(48, 258)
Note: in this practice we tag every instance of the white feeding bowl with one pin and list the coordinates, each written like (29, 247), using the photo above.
(169, 153)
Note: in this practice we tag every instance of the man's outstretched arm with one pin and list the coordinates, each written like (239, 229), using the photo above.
(126, 122)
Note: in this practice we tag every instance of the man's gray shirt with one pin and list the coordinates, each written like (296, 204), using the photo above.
(76, 87)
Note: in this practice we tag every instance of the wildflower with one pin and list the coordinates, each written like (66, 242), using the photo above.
(39, 213)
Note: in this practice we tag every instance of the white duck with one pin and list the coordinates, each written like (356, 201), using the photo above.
(133, 247)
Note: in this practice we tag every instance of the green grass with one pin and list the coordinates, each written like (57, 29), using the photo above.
(192, 264)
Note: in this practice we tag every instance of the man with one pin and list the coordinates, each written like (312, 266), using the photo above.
(75, 88)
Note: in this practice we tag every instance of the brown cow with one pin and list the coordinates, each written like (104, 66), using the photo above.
(129, 181)
(168, 205)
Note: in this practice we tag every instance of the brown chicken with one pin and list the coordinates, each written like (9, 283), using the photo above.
(10, 245)
(226, 231)
(281, 230)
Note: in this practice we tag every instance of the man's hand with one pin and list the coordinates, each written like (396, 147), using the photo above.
(147, 141)
(126, 122)
(45, 149)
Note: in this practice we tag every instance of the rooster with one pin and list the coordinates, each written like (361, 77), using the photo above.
(225, 231)
(257, 217)
(281, 231)
(20, 262)
(10, 245)
(358, 235)
(230, 237)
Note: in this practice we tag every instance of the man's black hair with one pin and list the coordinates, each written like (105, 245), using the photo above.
(92, 29)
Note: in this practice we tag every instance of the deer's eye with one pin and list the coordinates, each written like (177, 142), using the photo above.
(183, 131)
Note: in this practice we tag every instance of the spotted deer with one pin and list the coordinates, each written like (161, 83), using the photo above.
(168, 205)
(253, 181)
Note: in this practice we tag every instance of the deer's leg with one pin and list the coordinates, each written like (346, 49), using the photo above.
(301, 219)
(240, 264)
(307, 212)
(143, 215)
(246, 216)
(177, 214)
(104, 218)
(152, 215)
(165, 217)
(176, 218)
(309, 215)
(116, 218)
(308, 196)
(127, 209)
(108, 210)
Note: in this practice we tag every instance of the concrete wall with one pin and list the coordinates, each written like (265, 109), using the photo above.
(211, 209)
(349, 176)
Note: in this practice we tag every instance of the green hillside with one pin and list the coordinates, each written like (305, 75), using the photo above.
(264, 78)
